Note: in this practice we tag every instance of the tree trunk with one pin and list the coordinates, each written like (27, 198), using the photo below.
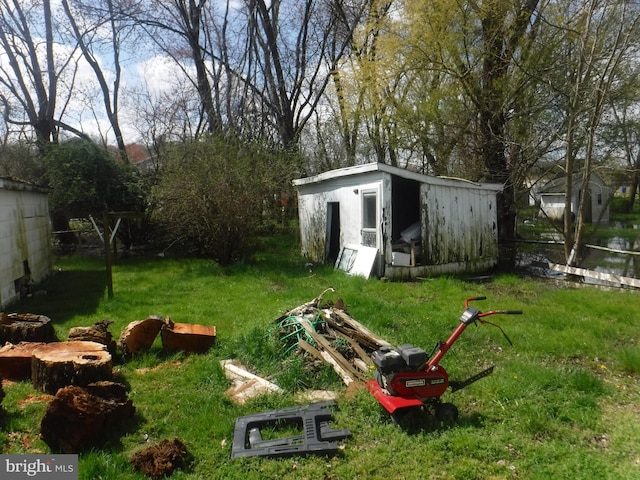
(60, 364)
(187, 337)
(25, 327)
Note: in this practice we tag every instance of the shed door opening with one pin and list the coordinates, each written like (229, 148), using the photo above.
(332, 240)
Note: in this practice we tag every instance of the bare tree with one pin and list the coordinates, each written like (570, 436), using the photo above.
(180, 30)
(88, 22)
(296, 46)
(29, 81)
(598, 39)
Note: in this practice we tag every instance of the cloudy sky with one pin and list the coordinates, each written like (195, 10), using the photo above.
(143, 73)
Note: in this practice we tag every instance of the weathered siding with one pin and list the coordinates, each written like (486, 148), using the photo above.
(312, 204)
(458, 224)
(25, 238)
(458, 218)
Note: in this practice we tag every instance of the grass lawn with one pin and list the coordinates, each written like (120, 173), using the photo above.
(563, 402)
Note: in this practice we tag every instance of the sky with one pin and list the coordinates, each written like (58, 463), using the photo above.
(142, 69)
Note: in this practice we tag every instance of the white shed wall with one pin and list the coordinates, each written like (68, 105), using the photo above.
(312, 204)
(25, 236)
(459, 224)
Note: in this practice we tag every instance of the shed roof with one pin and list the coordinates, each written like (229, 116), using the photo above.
(558, 184)
(11, 184)
(396, 171)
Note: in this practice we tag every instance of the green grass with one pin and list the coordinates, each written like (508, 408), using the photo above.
(563, 401)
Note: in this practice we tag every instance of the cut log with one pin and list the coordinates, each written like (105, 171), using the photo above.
(25, 327)
(140, 335)
(78, 418)
(15, 360)
(57, 365)
(187, 337)
(98, 332)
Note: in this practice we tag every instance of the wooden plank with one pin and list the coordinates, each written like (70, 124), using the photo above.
(358, 350)
(342, 373)
(246, 385)
(342, 315)
(345, 375)
(310, 349)
(343, 362)
(608, 277)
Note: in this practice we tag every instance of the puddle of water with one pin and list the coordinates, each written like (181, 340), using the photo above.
(537, 259)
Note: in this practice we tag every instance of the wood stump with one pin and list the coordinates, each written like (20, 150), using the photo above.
(187, 337)
(98, 332)
(15, 360)
(57, 365)
(81, 418)
(140, 335)
(25, 327)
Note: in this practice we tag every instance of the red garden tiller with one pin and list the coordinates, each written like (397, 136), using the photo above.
(409, 383)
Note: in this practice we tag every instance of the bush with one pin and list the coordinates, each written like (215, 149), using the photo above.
(215, 196)
(86, 180)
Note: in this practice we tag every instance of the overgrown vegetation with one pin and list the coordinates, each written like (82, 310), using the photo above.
(85, 179)
(562, 403)
(215, 195)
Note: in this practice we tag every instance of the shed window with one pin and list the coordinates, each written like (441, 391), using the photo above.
(599, 199)
(369, 209)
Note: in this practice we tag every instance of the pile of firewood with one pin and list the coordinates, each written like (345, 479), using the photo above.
(86, 403)
(325, 331)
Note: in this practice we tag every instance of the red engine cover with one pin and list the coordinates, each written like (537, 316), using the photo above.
(422, 384)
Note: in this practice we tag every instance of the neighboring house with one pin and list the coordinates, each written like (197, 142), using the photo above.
(25, 238)
(418, 225)
(551, 197)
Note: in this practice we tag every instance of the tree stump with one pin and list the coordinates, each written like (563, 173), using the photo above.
(15, 360)
(25, 327)
(60, 364)
(98, 332)
(78, 418)
(140, 335)
(187, 337)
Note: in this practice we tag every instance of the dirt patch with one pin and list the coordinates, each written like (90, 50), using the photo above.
(162, 459)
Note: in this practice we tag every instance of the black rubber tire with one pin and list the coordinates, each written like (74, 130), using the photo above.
(412, 419)
(447, 413)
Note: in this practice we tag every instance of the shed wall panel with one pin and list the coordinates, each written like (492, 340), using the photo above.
(25, 236)
(459, 225)
(312, 204)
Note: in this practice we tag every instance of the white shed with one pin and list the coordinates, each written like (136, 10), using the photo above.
(551, 197)
(419, 225)
(25, 238)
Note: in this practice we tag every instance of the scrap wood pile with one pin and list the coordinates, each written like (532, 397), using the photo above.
(325, 331)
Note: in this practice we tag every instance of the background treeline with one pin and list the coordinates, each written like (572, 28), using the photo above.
(260, 92)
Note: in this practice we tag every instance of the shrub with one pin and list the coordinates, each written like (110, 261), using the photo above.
(215, 195)
(86, 180)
